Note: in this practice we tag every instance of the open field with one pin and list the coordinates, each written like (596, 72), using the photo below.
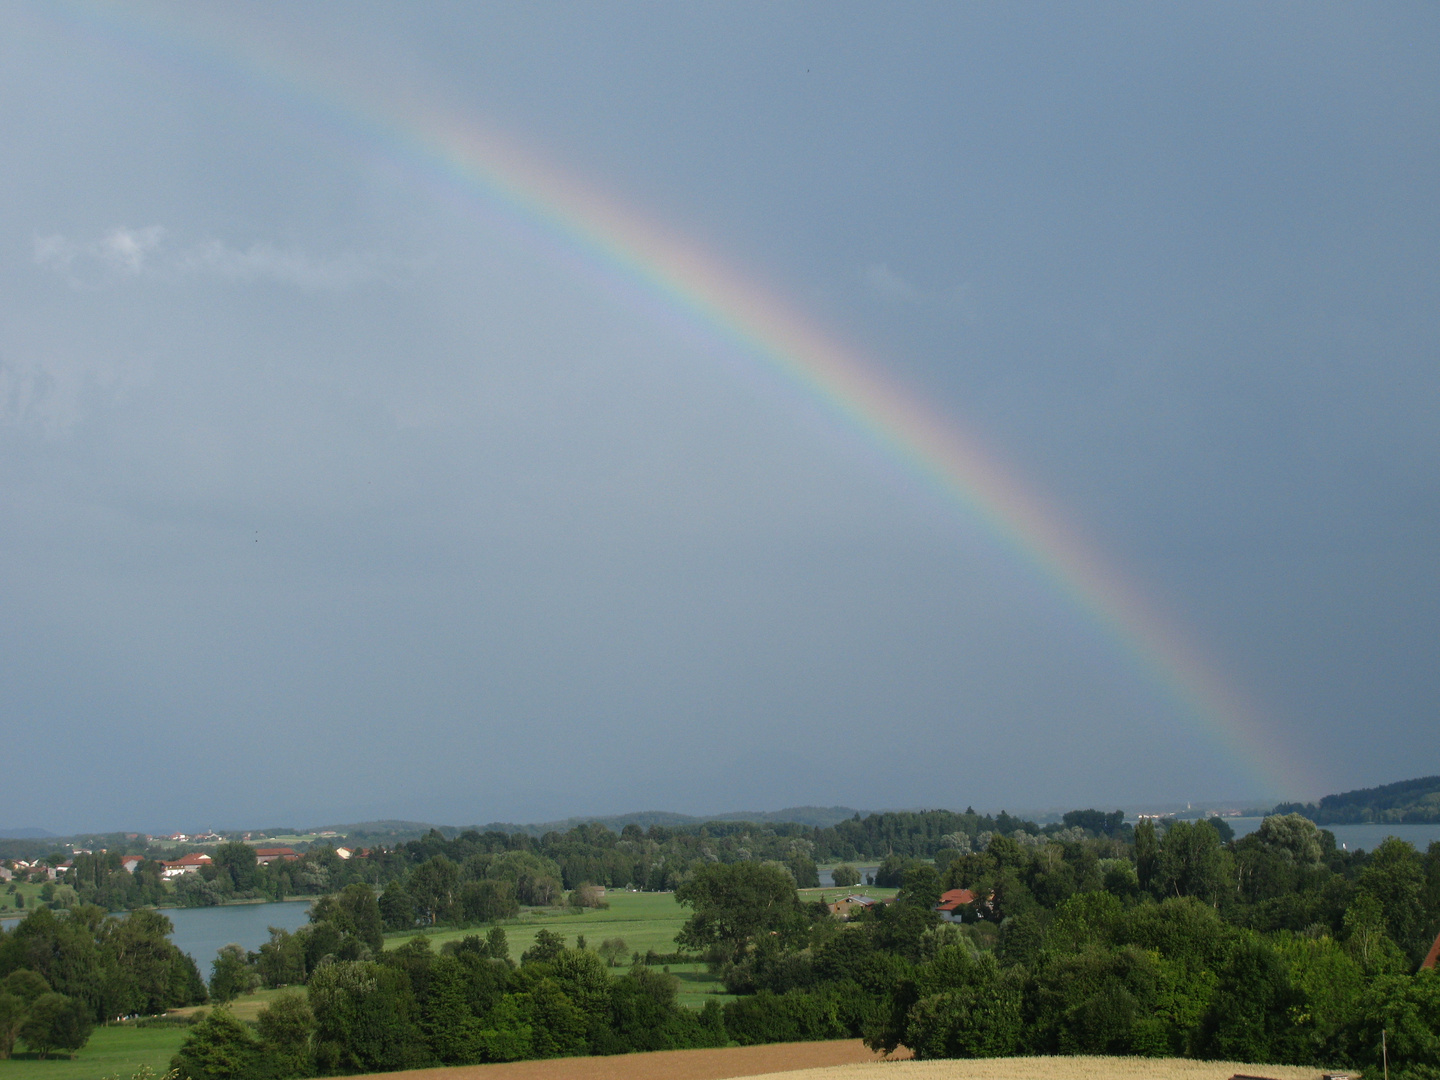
(246, 1007)
(644, 920)
(31, 893)
(662, 1064)
(1053, 1068)
(848, 1059)
(111, 1051)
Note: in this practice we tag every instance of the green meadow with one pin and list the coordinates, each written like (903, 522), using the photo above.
(643, 920)
(117, 1050)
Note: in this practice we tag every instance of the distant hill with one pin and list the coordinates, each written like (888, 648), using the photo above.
(809, 816)
(25, 834)
(1409, 802)
(393, 831)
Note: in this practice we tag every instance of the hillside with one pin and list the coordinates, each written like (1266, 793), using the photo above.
(1413, 802)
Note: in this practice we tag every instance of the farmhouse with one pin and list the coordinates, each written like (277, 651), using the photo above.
(130, 863)
(848, 905)
(186, 864)
(266, 855)
(953, 902)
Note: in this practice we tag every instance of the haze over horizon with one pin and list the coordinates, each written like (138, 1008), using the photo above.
(345, 474)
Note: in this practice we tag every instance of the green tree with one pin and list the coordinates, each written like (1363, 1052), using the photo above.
(232, 974)
(56, 1022)
(497, 945)
(1192, 862)
(397, 907)
(548, 945)
(488, 900)
(236, 863)
(1395, 876)
(281, 960)
(12, 1018)
(353, 911)
(219, 1047)
(433, 885)
(844, 876)
(733, 904)
(286, 1027)
(981, 1016)
(1147, 854)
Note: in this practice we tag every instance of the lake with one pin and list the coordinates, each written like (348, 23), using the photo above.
(1353, 837)
(202, 931)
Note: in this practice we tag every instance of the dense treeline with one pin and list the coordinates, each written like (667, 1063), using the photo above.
(60, 974)
(1276, 947)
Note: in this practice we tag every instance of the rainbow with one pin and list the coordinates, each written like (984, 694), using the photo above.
(596, 235)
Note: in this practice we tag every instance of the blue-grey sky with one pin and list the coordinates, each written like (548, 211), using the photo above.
(327, 492)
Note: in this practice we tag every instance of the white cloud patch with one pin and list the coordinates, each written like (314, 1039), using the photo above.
(124, 252)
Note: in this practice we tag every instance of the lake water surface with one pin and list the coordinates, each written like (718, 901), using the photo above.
(1353, 837)
(202, 931)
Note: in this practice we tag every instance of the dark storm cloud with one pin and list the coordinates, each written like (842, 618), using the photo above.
(322, 498)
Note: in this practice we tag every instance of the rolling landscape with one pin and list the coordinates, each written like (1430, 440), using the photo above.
(965, 935)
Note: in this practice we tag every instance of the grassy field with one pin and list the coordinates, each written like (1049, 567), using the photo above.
(245, 1008)
(644, 921)
(111, 1051)
(31, 893)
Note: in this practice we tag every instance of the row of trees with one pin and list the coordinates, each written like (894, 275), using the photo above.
(412, 1007)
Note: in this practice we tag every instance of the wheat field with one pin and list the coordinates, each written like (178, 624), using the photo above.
(1052, 1068)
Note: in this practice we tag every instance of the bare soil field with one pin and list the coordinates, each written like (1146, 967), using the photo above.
(848, 1059)
(664, 1064)
(1055, 1068)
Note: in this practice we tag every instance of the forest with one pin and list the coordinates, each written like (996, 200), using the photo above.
(1410, 802)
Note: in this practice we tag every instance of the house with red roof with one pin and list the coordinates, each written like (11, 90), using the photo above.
(266, 855)
(186, 864)
(1433, 956)
(953, 902)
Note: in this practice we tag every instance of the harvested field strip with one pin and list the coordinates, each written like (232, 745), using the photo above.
(719, 1064)
(849, 1060)
(1054, 1068)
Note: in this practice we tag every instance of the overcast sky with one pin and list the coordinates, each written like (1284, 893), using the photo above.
(330, 490)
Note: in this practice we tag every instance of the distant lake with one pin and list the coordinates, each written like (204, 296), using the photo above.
(827, 882)
(202, 931)
(1354, 837)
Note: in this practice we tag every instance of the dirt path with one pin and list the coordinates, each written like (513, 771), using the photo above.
(663, 1064)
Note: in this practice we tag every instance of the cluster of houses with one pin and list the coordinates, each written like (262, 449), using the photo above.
(951, 906)
(191, 863)
(196, 860)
